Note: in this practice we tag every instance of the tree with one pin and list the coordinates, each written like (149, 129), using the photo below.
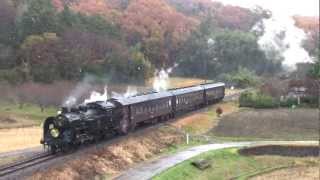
(129, 66)
(87, 23)
(37, 57)
(158, 27)
(315, 71)
(236, 48)
(311, 27)
(7, 23)
(242, 78)
(197, 56)
(7, 34)
(39, 18)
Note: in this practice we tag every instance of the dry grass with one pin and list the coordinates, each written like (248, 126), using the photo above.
(116, 157)
(20, 138)
(10, 120)
(287, 124)
(8, 160)
(202, 121)
(301, 173)
(11, 116)
(229, 164)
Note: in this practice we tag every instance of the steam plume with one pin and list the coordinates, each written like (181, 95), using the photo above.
(81, 88)
(161, 79)
(282, 35)
(97, 96)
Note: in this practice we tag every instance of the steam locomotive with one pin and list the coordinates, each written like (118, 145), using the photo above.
(93, 121)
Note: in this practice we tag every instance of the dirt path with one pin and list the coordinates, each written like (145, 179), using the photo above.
(149, 169)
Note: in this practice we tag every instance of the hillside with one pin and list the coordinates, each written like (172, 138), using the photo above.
(127, 40)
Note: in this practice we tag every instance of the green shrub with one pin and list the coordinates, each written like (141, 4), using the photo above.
(245, 99)
(243, 78)
(311, 101)
(288, 102)
(257, 100)
(11, 76)
(265, 101)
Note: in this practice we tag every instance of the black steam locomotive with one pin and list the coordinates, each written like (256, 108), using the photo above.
(92, 122)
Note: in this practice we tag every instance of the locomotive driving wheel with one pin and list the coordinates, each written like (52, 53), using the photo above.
(124, 126)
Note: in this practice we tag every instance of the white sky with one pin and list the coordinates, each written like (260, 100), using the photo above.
(288, 7)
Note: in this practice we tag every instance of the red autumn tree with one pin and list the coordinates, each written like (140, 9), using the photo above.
(160, 27)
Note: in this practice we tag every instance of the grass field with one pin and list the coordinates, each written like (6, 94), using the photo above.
(272, 124)
(11, 116)
(202, 121)
(229, 164)
(20, 128)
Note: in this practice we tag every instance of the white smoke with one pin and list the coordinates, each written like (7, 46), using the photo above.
(81, 88)
(97, 96)
(282, 35)
(131, 91)
(161, 79)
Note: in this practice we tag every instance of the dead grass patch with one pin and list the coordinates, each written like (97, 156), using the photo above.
(202, 121)
(13, 121)
(115, 158)
(282, 150)
(19, 138)
(301, 173)
(283, 123)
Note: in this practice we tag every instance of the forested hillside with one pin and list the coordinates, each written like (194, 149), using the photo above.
(126, 40)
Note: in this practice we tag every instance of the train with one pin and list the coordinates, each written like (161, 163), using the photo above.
(92, 122)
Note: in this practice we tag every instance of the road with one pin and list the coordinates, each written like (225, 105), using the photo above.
(149, 169)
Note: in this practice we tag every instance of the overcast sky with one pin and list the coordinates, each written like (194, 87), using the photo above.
(288, 7)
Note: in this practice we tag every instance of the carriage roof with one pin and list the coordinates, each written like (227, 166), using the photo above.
(143, 98)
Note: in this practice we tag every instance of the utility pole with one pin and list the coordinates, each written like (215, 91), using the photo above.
(210, 44)
(318, 83)
(317, 86)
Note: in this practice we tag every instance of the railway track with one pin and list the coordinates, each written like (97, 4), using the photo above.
(37, 159)
(26, 163)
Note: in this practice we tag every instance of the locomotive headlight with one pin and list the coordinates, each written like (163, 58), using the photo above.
(54, 132)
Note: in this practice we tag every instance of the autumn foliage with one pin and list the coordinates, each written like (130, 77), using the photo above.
(311, 26)
(53, 40)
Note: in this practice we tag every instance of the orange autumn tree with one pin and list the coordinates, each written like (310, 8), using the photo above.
(90, 7)
(311, 26)
(159, 28)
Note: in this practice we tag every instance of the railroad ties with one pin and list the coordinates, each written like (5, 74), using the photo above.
(26, 163)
